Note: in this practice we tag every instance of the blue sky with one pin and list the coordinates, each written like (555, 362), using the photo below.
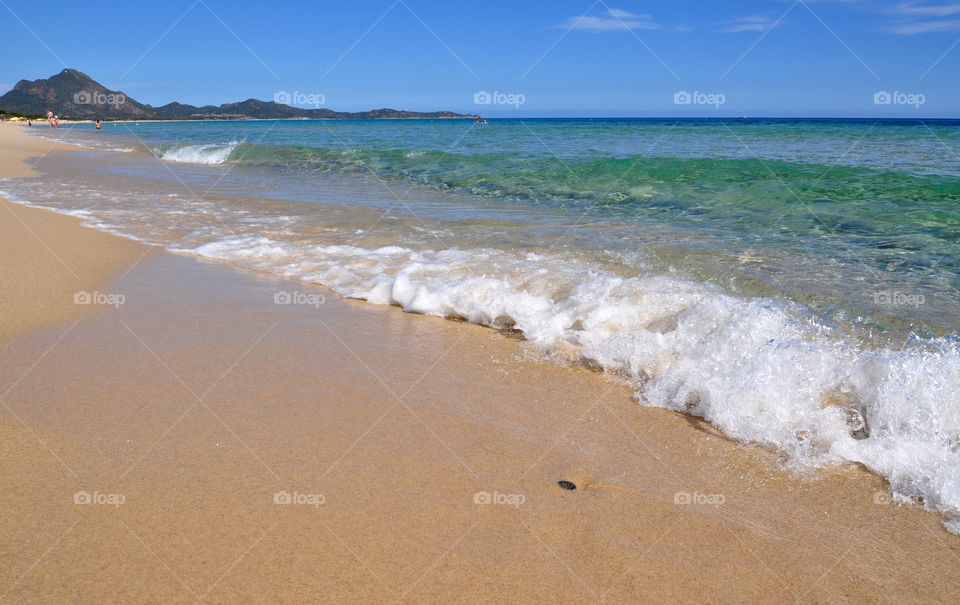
(557, 58)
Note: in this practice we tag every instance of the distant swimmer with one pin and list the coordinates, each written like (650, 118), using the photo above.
(98, 124)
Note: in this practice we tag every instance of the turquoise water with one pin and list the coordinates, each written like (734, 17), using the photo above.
(794, 282)
(838, 214)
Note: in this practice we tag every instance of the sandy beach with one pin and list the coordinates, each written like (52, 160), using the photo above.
(46, 257)
(187, 435)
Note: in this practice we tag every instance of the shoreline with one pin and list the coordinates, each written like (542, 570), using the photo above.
(198, 399)
(48, 256)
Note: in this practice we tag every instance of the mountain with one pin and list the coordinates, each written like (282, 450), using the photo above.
(72, 94)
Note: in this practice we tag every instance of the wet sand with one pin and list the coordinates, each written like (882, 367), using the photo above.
(420, 458)
(47, 257)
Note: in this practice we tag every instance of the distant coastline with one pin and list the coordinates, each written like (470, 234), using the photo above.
(40, 122)
(73, 95)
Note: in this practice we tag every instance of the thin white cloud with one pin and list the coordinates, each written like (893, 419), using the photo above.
(622, 14)
(924, 18)
(612, 20)
(911, 16)
(927, 10)
(750, 23)
(926, 27)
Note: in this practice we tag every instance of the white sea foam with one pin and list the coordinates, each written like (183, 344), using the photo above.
(85, 140)
(761, 370)
(199, 154)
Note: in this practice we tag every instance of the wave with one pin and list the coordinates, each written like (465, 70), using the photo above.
(196, 154)
(901, 230)
(762, 370)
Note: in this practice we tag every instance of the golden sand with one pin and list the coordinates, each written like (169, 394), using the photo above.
(47, 257)
(236, 450)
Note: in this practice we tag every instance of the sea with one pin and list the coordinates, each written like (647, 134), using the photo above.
(795, 282)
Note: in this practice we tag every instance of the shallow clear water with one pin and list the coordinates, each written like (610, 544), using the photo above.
(851, 216)
(794, 282)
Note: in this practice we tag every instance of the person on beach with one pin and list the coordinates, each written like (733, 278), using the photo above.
(98, 124)
(50, 118)
(56, 121)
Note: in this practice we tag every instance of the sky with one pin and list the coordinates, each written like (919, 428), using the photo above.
(849, 58)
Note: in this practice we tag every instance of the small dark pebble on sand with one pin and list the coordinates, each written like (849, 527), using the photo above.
(566, 484)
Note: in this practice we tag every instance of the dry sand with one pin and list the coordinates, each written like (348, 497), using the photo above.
(198, 400)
